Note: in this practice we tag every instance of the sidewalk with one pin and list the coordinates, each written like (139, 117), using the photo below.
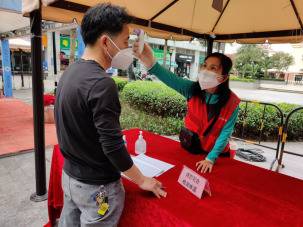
(292, 88)
(293, 164)
(270, 96)
(17, 183)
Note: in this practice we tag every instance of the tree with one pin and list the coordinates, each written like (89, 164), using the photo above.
(249, 60)
(281, 61)
(73, 35)
(267, 64)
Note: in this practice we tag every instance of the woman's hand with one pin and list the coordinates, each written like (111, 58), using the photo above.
(146, 57)
(204, 166)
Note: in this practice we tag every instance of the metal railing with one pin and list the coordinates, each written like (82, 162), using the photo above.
(261, 127)
(284, 138)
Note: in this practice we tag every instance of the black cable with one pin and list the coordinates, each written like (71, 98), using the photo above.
(251, 155)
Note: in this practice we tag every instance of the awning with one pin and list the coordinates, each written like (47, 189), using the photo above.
(244, 21)
(12, 21)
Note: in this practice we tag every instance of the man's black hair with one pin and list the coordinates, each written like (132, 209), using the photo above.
(103, 18)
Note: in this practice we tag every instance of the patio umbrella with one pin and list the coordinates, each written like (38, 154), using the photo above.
(244, 21)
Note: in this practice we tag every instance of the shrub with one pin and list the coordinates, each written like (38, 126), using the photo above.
(120, 82)
(295, 125)
(235, 78)
(155, 98)
(270, 123)
(134, 118)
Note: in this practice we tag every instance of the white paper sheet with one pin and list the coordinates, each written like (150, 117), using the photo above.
(164, 166)
(150, 167)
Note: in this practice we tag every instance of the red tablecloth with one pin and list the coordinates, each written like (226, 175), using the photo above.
(242, 194)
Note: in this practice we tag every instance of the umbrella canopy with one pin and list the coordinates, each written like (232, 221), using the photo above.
(13, 21)
(244, 21)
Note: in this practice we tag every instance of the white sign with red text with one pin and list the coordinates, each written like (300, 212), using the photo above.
(194, 182)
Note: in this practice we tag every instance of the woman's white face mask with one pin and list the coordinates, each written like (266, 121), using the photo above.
(123, 58)
(208, 79)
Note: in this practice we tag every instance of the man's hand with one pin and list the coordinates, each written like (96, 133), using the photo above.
(151, 184)
(145, 183)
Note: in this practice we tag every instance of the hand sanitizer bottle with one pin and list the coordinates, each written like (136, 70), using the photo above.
(140, 145)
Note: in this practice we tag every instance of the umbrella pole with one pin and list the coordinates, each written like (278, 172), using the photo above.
(38, 110)
(210, 43)
(55, 60)
(164, 53)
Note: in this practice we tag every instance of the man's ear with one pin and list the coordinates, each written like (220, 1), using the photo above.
(103, 40)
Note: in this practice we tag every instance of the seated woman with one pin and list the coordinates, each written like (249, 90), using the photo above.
(212, 108)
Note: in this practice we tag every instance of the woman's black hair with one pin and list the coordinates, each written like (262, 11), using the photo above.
(223, 89)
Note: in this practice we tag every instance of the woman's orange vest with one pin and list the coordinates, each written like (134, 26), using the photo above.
(196, 120)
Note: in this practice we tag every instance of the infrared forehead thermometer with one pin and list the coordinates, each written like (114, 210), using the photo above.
(140, 34)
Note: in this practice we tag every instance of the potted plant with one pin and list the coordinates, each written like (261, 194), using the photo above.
(49, 101)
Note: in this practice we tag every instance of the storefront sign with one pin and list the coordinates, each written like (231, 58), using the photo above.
(185, 58)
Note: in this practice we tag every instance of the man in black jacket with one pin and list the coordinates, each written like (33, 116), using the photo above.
(87, 112)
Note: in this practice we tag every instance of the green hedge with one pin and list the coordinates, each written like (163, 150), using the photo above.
(295, 126)
(270, 123)
(120, 82)
(134, 118)
(236, 78)
(155, 98)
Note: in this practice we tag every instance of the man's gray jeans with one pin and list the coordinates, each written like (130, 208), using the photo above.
(80, 208)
